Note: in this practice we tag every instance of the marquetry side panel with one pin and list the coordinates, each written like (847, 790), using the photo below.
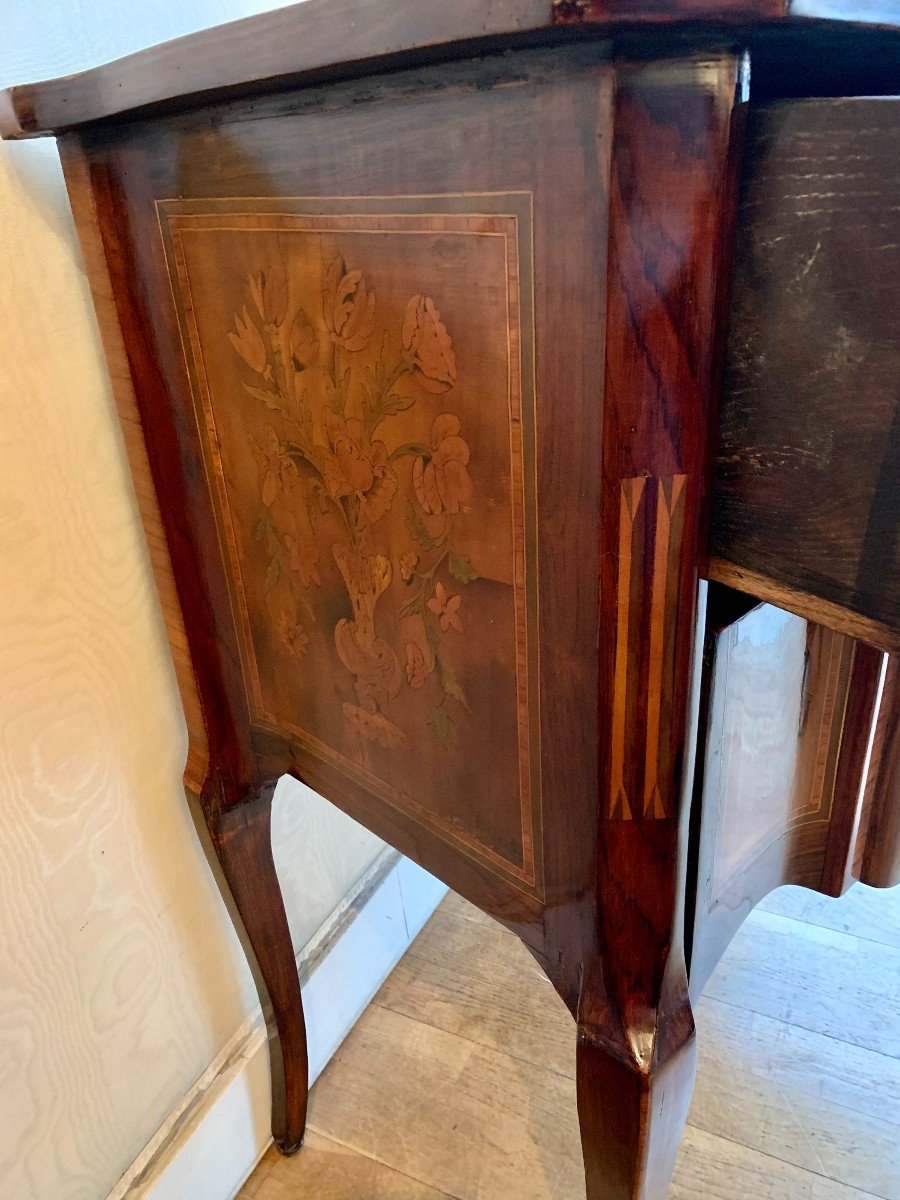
(371, 459)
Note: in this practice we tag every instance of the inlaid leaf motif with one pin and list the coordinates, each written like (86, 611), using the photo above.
(461, 568)
(442, 724)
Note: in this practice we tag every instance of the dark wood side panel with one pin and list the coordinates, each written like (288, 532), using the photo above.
(807, 494)
(524, 126)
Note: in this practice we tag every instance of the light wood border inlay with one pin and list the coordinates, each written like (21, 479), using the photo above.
(505, 215)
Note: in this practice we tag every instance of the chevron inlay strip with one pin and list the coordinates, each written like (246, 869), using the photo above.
(651, 525)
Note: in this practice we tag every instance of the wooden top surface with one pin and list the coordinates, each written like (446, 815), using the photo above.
(331, 39)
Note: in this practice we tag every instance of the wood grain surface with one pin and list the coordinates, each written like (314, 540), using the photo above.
(807, 489)
(677, 127)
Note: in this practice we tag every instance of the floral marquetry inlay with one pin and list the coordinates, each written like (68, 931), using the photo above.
(364, 400)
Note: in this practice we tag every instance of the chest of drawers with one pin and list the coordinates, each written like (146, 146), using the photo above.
(419, 316)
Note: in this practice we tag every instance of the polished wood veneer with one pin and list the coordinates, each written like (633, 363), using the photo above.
(423, 345)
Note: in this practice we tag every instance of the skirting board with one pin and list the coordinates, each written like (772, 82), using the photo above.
(210, 1144)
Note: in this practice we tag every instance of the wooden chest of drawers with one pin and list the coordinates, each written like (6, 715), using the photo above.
(417, 316)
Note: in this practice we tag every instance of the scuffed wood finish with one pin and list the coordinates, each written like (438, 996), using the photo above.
(881, 12)
(274, 50)
(677, 126)
(807, 500)
(756, 585)
(303, 43)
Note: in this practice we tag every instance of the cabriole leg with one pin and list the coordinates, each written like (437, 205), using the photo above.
(241, 839)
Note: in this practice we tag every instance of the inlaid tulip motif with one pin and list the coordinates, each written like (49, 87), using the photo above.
(328, 467)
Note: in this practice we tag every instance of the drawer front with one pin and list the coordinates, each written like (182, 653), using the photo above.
(807, 491)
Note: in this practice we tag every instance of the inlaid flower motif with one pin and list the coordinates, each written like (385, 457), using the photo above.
(331, 465)
(282, 488)
(247, 340)
(279, 471)
(375, 727)
(447, 608)
(443, 482)
(417, 669)
(269, 292)
(303, 555)
(354, 465)
(408, 563)
(304, 341)
(427, 346)
(291, 634)
(348, 307)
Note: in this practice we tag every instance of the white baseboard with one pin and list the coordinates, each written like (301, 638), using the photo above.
(211, 1142)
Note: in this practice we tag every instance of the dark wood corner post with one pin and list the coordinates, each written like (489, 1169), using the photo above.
(671, 203)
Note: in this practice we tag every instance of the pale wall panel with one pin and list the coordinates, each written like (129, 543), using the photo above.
(120, 977)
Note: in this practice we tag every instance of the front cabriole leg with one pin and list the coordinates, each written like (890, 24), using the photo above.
(675, 136)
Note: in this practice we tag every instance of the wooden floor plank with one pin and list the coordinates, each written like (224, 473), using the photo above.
(460, 1117)
(482, 984)
(458, 1082)
(849, 1076)
(816, 978)
(863, 912)
(716, 1169)
(325, 1170)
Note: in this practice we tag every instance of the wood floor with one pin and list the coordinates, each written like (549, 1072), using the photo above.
(458, 1081)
